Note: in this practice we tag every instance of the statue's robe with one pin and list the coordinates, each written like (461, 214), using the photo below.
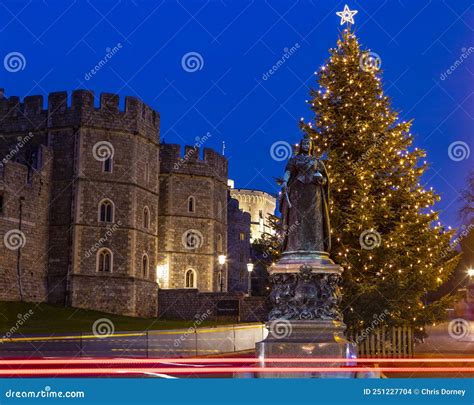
(306, 223)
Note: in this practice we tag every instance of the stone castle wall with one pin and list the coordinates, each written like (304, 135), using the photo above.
(78, 184)
(205, 180)
(61, 208)
(24, 244)
(190, 304)
(238, 238)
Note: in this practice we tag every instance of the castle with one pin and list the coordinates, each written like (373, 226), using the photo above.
(96, 213)
(259, 205)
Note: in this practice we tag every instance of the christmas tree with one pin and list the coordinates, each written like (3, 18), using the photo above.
(384, 231)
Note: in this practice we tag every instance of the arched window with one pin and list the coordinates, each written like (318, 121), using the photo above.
(145, 265)
(107, 165)
(106, 211)
(191, 204)
(190, 278)
(219, 243)
(146, 217)
(104, 261)
(219, 210)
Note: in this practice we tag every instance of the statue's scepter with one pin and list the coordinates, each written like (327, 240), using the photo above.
(287, 197)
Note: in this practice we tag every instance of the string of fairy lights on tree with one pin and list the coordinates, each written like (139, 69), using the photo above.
(376, 185)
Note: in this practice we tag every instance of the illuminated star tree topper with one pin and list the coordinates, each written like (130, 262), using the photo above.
(347, 15)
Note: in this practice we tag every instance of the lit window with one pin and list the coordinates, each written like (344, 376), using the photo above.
(190, 279)
(104, 261)
(219, 243)
(106, 211)
(242, 236)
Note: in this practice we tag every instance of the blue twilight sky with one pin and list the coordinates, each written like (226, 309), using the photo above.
(239, 41)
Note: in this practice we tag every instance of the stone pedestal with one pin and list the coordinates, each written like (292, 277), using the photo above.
(305, 321)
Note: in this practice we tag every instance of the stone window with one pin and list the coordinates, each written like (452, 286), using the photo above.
(104, 261)
(145, 265)
(2, 204)
(219, 244)
(190, 278)
(242, 236)
(107, 165)
(106, 211)
(241, 257)
(191, 204)
(146, 218)
(219, 210)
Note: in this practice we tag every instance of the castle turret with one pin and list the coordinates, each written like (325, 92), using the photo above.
(193, 218)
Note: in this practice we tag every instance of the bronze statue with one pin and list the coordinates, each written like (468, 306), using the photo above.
(304, 204)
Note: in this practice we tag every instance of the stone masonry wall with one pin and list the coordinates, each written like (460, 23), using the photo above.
(28, 246)
(189, 304)
(204, 179)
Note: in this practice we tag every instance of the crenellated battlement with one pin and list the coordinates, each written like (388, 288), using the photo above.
(31, 114)
(173, 160)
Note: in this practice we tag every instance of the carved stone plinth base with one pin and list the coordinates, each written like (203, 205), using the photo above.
(305, 321)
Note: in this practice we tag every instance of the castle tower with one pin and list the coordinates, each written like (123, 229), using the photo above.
(103, 207)
(259, 205)
(193, 219)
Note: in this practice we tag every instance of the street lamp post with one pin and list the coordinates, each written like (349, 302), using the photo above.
(250, 269)
(221, 259)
